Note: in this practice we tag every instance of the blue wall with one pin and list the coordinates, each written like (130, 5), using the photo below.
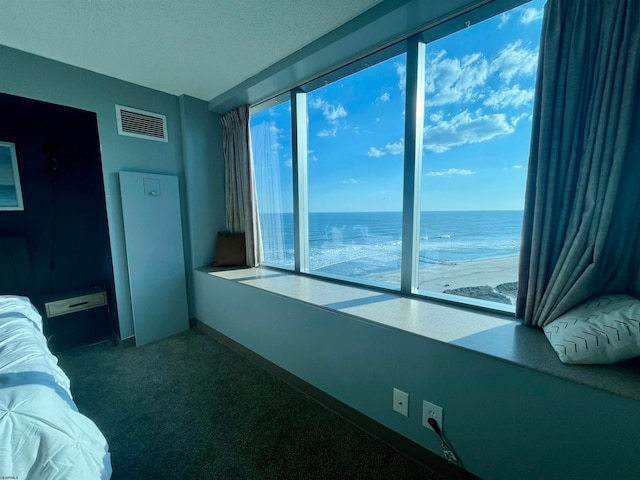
(38, 78)
(504, 421)
(204, 179)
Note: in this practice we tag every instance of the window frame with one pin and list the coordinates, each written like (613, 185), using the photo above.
(414, 46)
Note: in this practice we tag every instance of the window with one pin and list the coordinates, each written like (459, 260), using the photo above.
(479, 87)
(467, 165)
(355, 165)
(271, 148)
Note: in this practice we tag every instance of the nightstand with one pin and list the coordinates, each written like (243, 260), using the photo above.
(78, 318)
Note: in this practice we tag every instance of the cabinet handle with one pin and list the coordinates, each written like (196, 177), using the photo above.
(78, 304)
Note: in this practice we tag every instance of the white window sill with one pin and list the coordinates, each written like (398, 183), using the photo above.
(487, 333)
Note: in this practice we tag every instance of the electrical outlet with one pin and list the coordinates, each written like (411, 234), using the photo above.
(401, 402)
(431, 410)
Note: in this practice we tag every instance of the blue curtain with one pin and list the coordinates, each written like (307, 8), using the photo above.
(581, 233)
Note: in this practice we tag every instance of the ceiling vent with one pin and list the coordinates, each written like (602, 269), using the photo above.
(140, 124)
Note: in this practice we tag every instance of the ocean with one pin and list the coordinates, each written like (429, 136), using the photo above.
(361, 245)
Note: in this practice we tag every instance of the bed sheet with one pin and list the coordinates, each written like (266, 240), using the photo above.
(23, 347)
(42, 434)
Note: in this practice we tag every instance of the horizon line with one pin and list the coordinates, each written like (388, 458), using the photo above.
(400, 211)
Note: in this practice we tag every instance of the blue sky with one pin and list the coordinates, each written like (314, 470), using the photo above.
(478, 104)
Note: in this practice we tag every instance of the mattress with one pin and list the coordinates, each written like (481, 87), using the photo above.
(42, 434)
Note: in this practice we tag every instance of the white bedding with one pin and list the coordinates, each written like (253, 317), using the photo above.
(42, 434)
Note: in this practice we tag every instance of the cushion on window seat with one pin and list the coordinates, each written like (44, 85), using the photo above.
(605, 329)
(230, 250)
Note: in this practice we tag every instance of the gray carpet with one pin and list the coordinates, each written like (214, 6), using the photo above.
(187, 407)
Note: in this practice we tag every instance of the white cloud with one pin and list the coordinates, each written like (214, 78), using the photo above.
(385, 97)
(288, 162)
(451, 80)
(396, 148)
(374, 152)
(450, 172)
(511, 96)
(514, 61)
(516, 119)
(531, 14)
(517, 166)
(504, 18)
(331, 132)
(330, 111)
(350, 181)
(459, 80)
(333, 112)
(465, 128)
(316, 102)
(401, 70)
(276, 146)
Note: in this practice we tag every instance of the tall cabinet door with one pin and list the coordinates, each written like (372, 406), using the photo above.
(155, 255)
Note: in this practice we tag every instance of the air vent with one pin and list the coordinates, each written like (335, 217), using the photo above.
(138, 123)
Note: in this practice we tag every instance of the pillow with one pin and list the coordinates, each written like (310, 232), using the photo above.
(230, 250)
(602, 330)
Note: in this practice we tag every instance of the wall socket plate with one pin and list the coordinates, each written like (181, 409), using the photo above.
(401, 402)
(431, 410)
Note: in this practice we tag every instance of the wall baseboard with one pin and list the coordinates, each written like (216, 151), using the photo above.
(393, 439)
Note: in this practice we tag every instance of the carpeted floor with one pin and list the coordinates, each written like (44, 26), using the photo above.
(187, 407)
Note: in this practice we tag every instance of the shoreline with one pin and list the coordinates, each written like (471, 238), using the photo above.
(471, 275)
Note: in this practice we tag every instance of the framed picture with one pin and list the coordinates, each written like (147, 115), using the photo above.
(10, 191)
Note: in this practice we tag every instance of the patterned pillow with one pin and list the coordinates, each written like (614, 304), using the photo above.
(602, 330)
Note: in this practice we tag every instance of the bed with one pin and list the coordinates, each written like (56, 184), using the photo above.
(42, 434)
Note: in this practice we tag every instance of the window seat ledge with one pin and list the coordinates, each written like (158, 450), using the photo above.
(483, 332)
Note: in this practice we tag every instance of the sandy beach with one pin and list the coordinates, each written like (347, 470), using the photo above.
(441, 277)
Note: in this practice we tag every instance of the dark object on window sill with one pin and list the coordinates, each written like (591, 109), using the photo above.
(230, 250)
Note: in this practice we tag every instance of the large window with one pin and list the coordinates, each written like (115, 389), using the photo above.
(478, 104)
(355, 164)
(448, 197)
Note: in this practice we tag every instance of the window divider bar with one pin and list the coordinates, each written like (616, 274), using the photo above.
(300, 180)
(412, 187)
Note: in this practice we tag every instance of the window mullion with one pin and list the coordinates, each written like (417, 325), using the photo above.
(300, 180)
(414, 120)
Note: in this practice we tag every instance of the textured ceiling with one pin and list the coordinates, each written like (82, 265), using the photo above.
(200, 48)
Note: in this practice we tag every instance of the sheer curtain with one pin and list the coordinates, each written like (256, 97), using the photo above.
(240, 193)
(581, 232)
(267, 171)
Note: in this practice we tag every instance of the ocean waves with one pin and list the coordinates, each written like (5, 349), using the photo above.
(359, 245)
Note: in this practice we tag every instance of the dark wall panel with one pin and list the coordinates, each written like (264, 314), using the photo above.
(64, 218)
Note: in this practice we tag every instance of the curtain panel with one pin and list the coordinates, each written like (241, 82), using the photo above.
(240, 189)
(582, 208)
